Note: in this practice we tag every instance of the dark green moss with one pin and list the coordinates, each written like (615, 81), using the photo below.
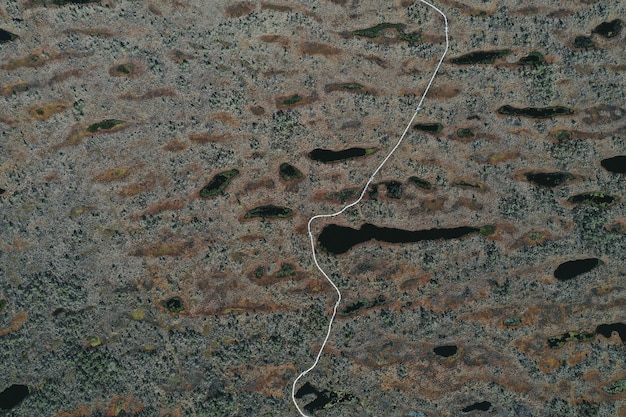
(594, 199)
(356, 306)
(6, 36)
(557, 342)
(64, 2)
(487, 230)
(374, 32)
(353, 87)
(289, 173)
(512, 321)
(291, 100)
(342, 195)
(467, 184)
(286, 270)
(174, 304)
(433, 128)
(422, 183)
(533, 59)
(562, 135)
(548, 179)
(616, 387)
(3, 304)
(104, 125)
(218, 183)
(480, 57)
(362, 304)
(583, 42)
(269, 212)
(609, 29)
(394, 189)
(465, 133)
(259, 272)
(535, 112)
(125, 69)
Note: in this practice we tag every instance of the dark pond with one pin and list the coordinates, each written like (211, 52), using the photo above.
(548, 179)
(535, 112)
(339, 239)
(12, 396)
(326, 155)
(482, 406)
(480, 57)
(446, 351)
(615, 164)
(571, 269)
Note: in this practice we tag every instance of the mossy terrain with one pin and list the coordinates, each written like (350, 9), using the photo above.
(480, 57)
(218, 183)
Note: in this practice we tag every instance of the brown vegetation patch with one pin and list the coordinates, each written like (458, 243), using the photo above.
(279, 39)
(170, 248)
(46, 111)
(266, 380)
(113, 174)
(18, 321)
(34, 60)
(226, 118)
(153, 93)
(317, 48)
(160, 207)
(66, 75)
(276, 7)
(239, 9)
(174, 145)
(203, 138)
(15, 88)
(100, 32)
(126, 69)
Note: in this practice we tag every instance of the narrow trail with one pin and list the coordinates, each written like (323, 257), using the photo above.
(354, 203)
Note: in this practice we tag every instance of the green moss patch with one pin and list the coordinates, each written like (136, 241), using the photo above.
(433, 128)
(596, 199)
(362, 304)
(342, 195)
(616, 387)
(535, 112)
(420, 182)
(286, 270)
(174, 304)
(465, 133)
(557, 342)
(218, 183)
(375, 32)
(609, 29)
(533, 59)
(289, 172)
(107, 124)
(349, 87)
(269, 212)
(583, 42)
(480, 57)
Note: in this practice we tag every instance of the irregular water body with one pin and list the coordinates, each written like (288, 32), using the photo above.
(339, 239)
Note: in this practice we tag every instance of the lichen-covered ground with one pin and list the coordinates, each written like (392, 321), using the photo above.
(157, 173)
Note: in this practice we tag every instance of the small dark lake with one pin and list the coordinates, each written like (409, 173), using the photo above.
(339, 239)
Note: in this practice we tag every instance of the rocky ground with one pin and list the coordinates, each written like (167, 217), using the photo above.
(158, 169)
